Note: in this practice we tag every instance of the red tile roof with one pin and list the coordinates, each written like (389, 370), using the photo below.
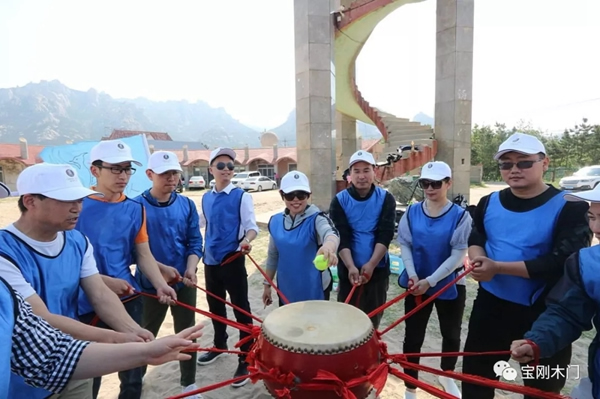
(121, 134)
(13, 151)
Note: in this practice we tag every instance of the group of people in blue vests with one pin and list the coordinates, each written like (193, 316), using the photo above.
(65, 268)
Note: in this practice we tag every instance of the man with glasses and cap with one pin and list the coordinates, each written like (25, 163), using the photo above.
(175, 240)
(520, 240)
(116, 227)
(228, 214)
(364, 215)
(46, 261)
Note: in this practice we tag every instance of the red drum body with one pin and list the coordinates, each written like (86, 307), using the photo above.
(305, 337)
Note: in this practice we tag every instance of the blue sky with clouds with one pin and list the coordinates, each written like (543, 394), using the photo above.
(534, 60)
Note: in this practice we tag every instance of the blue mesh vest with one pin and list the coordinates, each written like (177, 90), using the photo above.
(431, 245)
(8, 316)
(223, 219)
(297, 277)
(111, 228)
(589, 266)
(167, 231)
(519, 236)
(363, 218)
(55, 280)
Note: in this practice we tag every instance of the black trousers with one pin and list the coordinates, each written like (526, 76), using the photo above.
(231, 279)
(131, 380)
(370, 296)
(450, 314)
(493, 325)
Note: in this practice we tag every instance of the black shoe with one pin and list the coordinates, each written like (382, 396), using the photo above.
(242, 369)
(208, 358)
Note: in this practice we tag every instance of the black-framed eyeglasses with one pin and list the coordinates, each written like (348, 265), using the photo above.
(435, 184)
(223, 165)
(520, 164)
(116, 170)
(301, 195)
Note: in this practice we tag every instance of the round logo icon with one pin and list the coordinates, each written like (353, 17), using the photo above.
(515, 139)
(296, 176)
(121, 146)
(166, 156)
(430, 166)
(70, 173)
(360, 153)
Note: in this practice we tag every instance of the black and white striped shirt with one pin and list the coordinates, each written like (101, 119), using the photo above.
(44, 356)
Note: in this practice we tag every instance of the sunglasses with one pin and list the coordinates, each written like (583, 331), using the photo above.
(301, 195)
(223, 165)
(436, 185)
(520, 164)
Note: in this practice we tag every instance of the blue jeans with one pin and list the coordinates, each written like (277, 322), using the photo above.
(131, 380)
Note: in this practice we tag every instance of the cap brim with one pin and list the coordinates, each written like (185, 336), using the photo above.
(288, 190)
(434, 177)
(71, 194)
(500, 153)
(589, 195)
(360, 160)
(116, 160)
(166, 168)
(4, 190)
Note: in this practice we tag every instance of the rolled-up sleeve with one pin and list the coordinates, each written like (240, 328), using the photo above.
(247, 214)
(194, 237)
(42, 355)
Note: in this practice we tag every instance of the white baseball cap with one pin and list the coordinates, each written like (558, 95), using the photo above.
(361, 156)
(523, 143)
(56, 181)
(221, 151)
(162, 161)
(294, 181)
(588, 195)
(5, 191)
(436, 171)
(113, 152)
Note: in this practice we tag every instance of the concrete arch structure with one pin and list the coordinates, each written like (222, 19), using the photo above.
(329, 38)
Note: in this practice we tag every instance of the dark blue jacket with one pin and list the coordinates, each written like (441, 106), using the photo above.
(571, 308)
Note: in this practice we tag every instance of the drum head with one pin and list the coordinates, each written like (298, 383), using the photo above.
(317, 327)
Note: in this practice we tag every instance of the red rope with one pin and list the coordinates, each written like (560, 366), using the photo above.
(468, 270)
(350, 294)
(224, 320)
(279, 293)
(215, 350)
(229, 303)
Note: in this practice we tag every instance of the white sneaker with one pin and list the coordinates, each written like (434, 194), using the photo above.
(191, 388)
(450, 386)
(410, 395)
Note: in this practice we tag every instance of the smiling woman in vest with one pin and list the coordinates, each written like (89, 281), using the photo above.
(298, 234)
(433, 237)
(573, 305)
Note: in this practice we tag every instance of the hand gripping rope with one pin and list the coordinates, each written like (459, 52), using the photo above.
(327, 381)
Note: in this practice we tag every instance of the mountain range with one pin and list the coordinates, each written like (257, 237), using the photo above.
(51, 113)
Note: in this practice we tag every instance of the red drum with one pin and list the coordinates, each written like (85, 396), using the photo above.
(305, 337)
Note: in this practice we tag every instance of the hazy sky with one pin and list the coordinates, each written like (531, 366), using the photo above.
(535, 60)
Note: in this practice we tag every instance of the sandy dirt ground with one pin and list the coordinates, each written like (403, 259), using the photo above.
(163, 381)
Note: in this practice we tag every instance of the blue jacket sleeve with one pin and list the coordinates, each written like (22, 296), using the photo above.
(569, 312)
(194, 245)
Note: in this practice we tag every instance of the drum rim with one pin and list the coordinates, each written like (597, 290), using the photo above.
(318, 349)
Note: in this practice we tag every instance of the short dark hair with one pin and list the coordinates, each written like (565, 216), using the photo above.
(21, 205)
(97, 163)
